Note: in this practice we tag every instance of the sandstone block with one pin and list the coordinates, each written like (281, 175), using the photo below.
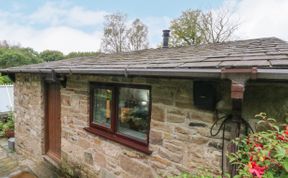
(111, 149)
(199, 140)
(65, 100)
(202, 116)
(88, 158)
(136, 168)
(182, 137)
(173, 148)
(160, 126)
(155, 137)
(84, 143)
(176, 111)
(175, 118)
(182, 130)
(106, 174)
(100, 159)
(158, 113)
(134, 154)
(215, 144)
(174, 157)
(159, 162)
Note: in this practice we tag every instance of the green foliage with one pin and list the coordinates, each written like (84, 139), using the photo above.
(15, 56)
(81, 54)
(195, 27)
(263, 154)
(7, 124)
(12, 56)
(4, 80)
(51, 55)
(185, 30)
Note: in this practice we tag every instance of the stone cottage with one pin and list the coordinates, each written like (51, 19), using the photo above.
(146, 113)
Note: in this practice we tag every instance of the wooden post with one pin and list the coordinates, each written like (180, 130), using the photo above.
(237, 94)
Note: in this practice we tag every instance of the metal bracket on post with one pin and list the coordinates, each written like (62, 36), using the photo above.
(55, 78)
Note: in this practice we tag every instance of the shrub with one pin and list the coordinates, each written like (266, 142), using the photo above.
(7, 126)
(264, 153)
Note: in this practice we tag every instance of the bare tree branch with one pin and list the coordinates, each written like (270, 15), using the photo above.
(195, 27)
(119, 38)
(114, 39)
(218, 27)
(137, 36)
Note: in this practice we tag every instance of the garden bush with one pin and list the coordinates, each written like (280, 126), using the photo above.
(7, 125)
(263, 154)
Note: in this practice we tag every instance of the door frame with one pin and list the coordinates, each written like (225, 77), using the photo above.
(54, 157)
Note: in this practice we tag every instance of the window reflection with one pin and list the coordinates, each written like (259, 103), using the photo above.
(102, 107)
(133, 112)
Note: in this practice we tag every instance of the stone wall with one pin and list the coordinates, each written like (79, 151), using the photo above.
(179, 135)
(29, 115)
(268, 97)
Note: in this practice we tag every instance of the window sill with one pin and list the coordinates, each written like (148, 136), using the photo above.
(119, 139)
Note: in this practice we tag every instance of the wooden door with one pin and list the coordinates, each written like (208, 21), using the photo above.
(53, 122)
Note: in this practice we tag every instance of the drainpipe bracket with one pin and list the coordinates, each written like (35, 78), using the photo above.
(246, 73)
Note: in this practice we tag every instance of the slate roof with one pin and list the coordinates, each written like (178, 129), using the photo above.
(263, 53)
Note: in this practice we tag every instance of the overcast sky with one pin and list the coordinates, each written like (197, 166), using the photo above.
(77, 25)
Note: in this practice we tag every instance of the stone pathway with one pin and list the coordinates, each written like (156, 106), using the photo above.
(13, 165)
(9, 166)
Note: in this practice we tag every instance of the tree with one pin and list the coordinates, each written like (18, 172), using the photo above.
(15, 56)
(114, 39)
(119, 38)
(217, 27)
(137, 36)
(81, 54)
(4, 44)
(195, 27)
(51, 55)
(185, 30)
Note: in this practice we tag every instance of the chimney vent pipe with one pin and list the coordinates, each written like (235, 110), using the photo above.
(166, 35)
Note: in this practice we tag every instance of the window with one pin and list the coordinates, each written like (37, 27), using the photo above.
(121, 112)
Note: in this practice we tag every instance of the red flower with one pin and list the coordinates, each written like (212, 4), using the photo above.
(286, 130)
(256, 170)
(280, 137)
(259, 146)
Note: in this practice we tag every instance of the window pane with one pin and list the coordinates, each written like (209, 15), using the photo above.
(134, 112)
(102, 107)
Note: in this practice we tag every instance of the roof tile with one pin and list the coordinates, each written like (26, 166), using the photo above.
(261, 53)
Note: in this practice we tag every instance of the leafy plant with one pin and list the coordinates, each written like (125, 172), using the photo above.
(4, 80)
(51, 55)
(7, 125)
(263, 154)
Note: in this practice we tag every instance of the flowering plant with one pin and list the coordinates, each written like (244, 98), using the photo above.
(263, 154)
